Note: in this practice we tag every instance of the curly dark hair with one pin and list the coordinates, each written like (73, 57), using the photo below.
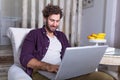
(52, 9)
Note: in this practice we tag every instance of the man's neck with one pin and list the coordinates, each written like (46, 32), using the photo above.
(50, 34)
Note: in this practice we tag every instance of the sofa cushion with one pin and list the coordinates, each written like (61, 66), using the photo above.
(16, 36)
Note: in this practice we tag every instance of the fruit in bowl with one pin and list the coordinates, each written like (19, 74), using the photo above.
(98, 36)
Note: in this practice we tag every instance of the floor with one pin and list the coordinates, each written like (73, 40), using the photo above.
(6, 60)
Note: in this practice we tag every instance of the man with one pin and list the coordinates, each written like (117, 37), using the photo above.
(44, 48)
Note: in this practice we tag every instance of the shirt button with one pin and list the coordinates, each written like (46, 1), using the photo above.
(46, 47)
(44, 32)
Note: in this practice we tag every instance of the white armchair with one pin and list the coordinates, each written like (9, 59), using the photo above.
(16, 36)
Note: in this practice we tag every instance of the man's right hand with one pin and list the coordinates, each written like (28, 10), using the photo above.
(52, 68)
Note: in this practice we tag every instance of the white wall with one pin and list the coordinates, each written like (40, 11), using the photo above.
(92, 20)
(11, 8)
(0, 21)
(99, 18)
(111, 7)
(117, 26)
(10, 12)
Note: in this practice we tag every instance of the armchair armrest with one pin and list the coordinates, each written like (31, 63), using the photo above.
(17, 73)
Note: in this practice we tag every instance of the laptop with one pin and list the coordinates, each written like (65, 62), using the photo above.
(77, 61)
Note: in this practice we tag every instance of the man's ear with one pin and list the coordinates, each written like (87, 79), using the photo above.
(44, 20)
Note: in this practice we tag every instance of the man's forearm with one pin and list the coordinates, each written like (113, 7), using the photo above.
(35, 64)
(39, 65)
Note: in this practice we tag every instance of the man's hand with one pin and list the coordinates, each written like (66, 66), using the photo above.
(52, 68)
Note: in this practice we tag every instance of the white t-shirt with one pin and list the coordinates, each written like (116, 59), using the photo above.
(52, 55)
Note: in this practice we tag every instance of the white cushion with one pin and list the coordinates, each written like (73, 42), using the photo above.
(16, 36)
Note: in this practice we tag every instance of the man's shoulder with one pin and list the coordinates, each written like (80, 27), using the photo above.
(36, 30)
(60, 33)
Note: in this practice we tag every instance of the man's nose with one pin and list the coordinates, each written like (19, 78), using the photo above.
(55, 23)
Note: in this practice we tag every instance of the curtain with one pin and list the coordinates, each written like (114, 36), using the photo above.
(70, 23)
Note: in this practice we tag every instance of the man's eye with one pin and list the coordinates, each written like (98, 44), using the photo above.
(52, 20)
(57, 20)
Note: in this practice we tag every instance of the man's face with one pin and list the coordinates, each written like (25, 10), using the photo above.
(52, 22)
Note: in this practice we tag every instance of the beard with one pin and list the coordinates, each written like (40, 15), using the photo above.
(50, 28)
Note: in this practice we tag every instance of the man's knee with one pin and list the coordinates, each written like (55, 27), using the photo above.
(100, 76)
(94, 76)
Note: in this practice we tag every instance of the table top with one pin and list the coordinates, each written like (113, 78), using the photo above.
(111, 58)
